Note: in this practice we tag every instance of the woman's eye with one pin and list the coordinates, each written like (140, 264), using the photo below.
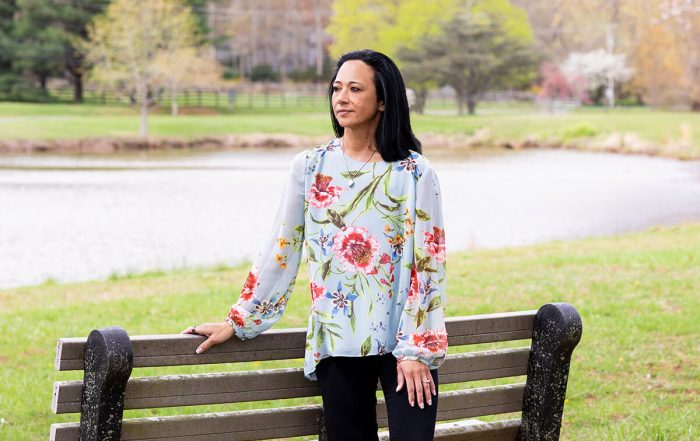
(335, 89)
(355, 89)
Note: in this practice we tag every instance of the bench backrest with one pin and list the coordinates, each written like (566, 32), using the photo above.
(108, 388)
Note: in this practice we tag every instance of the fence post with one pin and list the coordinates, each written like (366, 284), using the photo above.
(556, 333)
(108, 364)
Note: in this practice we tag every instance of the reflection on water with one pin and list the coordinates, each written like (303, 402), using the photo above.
(79, 218)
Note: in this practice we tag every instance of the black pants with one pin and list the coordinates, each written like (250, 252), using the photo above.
(348, 388)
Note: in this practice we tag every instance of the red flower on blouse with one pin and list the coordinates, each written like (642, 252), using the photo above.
(435, 243)
(316, 292)
(236, 317)
(321, 193)
(415, 286)
(251, 282)
(433, 340)
(357, 249)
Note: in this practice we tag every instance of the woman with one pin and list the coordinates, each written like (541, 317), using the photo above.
(366, 205)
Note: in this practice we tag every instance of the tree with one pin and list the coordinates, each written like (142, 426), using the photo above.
(39, 45)
(125, 43)
(399, 27)
(598, 68)
(72, 20)
(191, 66)
(8, 75)
(473, 55)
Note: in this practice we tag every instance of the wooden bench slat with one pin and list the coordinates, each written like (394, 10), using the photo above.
(178, 349)
(292, 421)
(505, 430)
(232, 387)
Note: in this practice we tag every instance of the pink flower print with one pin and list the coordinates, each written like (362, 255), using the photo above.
(435, 244)
(251, 282)
(321, 193)
(357, 249)
(415, 286)
(316, 292)
(432, 340)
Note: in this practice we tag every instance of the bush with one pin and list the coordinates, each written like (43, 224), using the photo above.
(264, 72)
(581, 130)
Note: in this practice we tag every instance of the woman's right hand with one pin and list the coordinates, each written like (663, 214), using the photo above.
(216, 333)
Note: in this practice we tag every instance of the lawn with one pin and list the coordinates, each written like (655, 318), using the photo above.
(674, 134)
(635, 375)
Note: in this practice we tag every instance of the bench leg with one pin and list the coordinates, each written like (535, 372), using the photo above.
(556, 333)
(108, 363)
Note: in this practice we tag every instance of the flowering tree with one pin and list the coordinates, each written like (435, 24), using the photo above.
(125, 46)
(598, 68)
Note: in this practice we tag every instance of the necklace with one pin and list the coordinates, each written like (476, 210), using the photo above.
(352, 177)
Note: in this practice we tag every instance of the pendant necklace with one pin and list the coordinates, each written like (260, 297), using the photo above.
(352, 177)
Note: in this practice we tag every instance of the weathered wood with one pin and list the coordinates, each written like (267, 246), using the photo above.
(557, 331)
(294, 421)
(178, 349)
(504, 430)
(108, 360)
(231, 387)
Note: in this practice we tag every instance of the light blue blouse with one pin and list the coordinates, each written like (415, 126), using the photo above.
(375, 247)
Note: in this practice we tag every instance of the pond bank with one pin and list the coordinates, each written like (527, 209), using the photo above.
(625, 143)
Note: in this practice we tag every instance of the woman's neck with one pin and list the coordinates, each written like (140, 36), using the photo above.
(359, 145)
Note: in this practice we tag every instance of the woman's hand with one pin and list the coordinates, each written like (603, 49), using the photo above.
(216, 333)
(416, 376)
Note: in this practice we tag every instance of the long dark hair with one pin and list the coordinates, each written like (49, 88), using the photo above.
(394, 136)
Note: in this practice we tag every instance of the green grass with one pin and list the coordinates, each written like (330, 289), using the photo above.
(635, 375)
(674, 134)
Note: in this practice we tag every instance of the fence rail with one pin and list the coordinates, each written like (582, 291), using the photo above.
(304, 97)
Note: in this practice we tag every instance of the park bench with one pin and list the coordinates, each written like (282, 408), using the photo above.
(107, 357)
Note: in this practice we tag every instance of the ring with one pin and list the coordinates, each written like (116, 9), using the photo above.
(425, 381)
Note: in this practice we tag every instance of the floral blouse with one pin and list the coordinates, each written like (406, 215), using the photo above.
(375, 247)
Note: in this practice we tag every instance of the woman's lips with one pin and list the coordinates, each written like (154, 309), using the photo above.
(342, 112)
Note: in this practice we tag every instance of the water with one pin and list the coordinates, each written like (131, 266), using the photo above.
(82, 218)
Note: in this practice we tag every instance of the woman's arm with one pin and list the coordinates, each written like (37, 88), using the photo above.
(271, 279)
(422, 336)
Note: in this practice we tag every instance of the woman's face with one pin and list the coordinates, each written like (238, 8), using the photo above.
(354, 96)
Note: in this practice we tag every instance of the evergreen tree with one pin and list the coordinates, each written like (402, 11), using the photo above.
(8, 76)
(473, 56)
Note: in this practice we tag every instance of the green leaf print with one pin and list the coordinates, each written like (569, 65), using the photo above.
(352, 175)
(325, 269)
(336, 218)
(420, 317)
(366, 346)
(434, 303)
(422, 215)
(312, 254)
(422, 264)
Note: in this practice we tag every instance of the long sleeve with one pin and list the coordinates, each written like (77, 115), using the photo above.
(421, 335)
(266, 290)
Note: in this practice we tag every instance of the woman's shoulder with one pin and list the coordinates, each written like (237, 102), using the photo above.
(419, 164)
(317, 151)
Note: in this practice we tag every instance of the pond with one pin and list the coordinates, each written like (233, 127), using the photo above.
(68, 218)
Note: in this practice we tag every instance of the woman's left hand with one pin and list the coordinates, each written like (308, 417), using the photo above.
(419, 383)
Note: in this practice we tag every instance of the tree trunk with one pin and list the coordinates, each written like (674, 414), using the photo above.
(42, 82)
(144, 120)
(421, 99)
(77, 87)
(142, 97)
(471, 105)
(173, 100)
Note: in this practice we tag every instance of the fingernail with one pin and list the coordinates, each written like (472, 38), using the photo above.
(198, 351)
(430, 403)
(411, 403)
(397, 388)
(420, 405)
